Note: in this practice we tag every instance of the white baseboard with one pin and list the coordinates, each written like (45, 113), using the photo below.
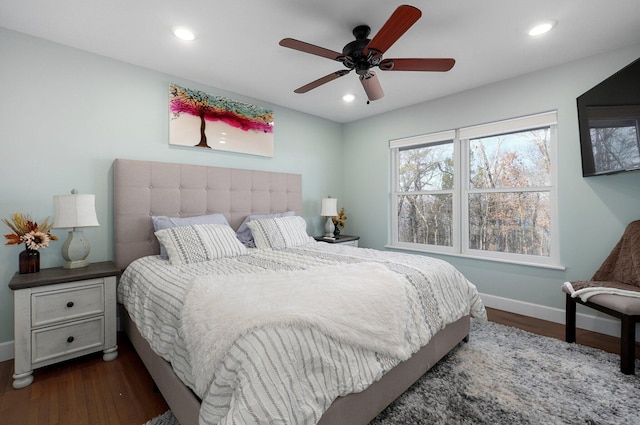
(6, 351)
(603, 325)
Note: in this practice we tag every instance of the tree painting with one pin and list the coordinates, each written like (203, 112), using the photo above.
(248, 121)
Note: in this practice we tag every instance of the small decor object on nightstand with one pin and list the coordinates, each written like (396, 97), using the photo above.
(74, 211)
(34, 237)
(339, 221)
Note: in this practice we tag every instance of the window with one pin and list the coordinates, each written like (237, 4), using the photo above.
(486, 191)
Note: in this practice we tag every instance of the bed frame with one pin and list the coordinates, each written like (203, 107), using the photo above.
(144, 188)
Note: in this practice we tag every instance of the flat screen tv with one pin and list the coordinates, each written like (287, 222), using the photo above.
(609, 123)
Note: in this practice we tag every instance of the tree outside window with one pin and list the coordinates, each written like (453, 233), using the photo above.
(508, 197)
(487, 193)
(425, 208)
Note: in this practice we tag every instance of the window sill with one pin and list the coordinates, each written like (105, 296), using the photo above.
(477, 257)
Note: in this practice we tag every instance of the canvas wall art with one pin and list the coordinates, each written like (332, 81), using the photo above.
(202, 120)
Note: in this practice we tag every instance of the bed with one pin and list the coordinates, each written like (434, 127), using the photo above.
(174, 355)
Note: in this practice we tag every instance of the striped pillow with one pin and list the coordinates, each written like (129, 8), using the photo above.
(244, 233)
(280, 232)
(163, 222)
(200, 242)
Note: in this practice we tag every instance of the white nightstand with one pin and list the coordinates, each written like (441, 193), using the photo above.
(342, 239)
(61, 314)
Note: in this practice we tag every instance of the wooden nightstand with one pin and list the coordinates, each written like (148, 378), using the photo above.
(61, 314)
(342, 239)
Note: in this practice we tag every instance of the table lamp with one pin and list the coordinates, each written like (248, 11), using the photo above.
(75, 211)
(329, 210)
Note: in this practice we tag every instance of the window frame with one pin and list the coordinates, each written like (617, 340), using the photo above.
(460, 233)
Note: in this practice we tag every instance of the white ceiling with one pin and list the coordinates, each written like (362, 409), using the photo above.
(237, 49)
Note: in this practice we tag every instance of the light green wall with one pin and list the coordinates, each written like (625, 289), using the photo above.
(65, 115)
(592, 211)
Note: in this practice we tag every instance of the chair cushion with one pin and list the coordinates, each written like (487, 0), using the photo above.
(620, 303)
(626, 305)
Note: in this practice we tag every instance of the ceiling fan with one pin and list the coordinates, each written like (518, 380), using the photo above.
(363, 53)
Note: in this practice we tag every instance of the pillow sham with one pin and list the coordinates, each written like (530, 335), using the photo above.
(161, 222)
(244, 233)
(280, 232)
(200, 242)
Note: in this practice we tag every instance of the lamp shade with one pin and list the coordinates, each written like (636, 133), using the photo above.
(329, 207)
(76, 210)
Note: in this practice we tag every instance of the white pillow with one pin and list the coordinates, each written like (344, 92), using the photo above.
(244, 233)
(279, 232)
(200, 242)
(163, 222)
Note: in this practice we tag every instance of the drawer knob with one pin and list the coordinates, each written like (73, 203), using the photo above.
(70, 339)
(70, 304)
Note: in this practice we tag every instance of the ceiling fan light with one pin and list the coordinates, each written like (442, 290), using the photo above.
(349, 97)
(542, 28)
(184, 34)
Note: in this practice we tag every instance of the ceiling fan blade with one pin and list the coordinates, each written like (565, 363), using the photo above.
(320, 81)
(399, 22)
(309, 48)
(409, 64)
(372, 86)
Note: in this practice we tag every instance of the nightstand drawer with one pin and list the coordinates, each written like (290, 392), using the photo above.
(57, 341)
(350, 243)
(71, 303)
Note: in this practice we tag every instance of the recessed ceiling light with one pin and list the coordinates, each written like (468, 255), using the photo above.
(184, 34)
(542, 28)
(349, 97)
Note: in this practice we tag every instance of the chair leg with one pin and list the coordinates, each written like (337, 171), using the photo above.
(570, 320)
(628, 346)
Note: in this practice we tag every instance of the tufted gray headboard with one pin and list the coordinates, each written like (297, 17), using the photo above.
(144, 188)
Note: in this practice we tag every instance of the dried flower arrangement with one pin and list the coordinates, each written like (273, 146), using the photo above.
(27, 231)
(340, 220)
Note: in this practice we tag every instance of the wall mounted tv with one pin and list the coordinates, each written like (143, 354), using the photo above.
(609, 122)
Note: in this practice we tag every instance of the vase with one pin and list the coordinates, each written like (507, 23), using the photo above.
(29, 261)
(336, 232)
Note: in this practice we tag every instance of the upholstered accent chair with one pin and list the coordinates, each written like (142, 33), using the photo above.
(614, 290)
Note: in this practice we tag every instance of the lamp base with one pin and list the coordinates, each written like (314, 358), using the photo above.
(75, 250)
(329, 227)
(76, 264)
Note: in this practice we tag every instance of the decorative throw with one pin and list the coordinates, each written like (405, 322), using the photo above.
(337, 300)
(620, 272)
(585, 289)
(623, 263)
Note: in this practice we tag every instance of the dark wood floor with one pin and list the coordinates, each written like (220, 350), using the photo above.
(89, 391)
(83, 391)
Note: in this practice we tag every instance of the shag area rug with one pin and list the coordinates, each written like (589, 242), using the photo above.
(508, 376)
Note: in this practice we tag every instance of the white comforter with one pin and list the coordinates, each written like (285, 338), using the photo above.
(287, 372)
